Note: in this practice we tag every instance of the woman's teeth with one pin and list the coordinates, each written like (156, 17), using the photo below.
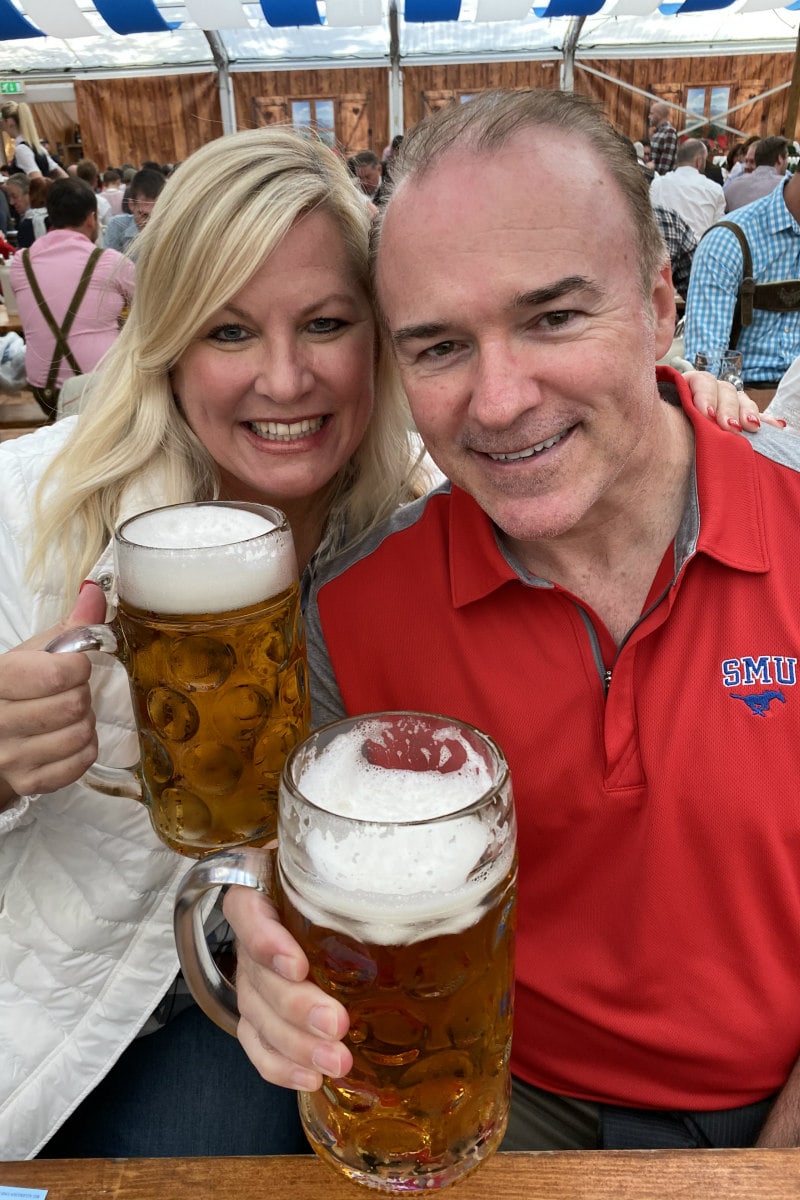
(286, 431)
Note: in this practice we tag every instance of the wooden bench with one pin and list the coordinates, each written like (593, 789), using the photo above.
(21, 414)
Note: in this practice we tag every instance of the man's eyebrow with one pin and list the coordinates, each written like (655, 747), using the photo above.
(408, 333)
(544, 295)
(556, 291)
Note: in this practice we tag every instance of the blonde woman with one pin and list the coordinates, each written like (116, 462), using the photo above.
(248, 369)
(30, 156)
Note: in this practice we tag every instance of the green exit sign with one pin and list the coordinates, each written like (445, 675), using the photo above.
(11, 87)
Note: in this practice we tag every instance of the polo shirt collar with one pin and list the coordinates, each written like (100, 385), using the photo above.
(724, 488)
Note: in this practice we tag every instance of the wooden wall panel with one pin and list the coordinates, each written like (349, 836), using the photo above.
(163, 118)
(747, 75)
(55, 121)
(372, 82)
(128, 120)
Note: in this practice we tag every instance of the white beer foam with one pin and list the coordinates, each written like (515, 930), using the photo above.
(394, 883)
(203, 559)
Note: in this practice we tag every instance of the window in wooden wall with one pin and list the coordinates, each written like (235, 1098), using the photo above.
(316, 113)
(707, 109)
(343, 121)
(431, 101)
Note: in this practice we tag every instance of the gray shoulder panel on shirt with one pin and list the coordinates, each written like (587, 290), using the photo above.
(326, 699)
(778, 445)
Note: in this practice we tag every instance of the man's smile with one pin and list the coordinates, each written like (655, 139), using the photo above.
(529, 451)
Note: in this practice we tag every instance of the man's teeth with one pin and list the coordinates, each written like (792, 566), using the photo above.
(537, 449)
(283, 431)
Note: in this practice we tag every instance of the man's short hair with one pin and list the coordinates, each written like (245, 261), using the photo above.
(770, 149)
(69, 203)
(488, 123)
(688, 151)
(112, 175)
(147, 184)
(364, 158)
(19, 180)
(88, 171)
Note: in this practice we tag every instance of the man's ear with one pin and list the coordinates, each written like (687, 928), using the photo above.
(664, 316)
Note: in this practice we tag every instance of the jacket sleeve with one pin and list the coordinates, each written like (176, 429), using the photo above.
(23, 609)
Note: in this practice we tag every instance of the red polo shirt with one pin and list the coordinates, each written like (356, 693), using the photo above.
(659, 824)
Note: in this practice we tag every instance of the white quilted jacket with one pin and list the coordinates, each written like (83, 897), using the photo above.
(86, 889)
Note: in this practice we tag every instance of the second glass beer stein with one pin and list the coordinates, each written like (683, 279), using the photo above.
(209, 629)
(396, 873)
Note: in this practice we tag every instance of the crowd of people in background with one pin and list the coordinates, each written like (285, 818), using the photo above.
(692, 189)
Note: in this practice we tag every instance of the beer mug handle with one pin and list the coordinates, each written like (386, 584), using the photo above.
(246, 867)
(111, 781)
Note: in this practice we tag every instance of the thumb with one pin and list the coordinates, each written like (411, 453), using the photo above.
(89, 608)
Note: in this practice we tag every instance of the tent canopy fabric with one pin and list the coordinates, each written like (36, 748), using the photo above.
(81, 38)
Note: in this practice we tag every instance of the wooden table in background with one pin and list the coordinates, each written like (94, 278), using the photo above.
(9, 324)
(582, 1175)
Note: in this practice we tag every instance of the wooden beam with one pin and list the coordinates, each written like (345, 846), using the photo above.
(794, 96)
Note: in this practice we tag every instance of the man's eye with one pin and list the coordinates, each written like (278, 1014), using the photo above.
(326, 325)
(555, 319)
(440, 350)
(228, 333)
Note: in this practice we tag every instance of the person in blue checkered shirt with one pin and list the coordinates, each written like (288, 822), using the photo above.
(771, 342)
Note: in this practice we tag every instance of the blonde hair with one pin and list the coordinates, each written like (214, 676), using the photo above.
(216, 221)
(23, 116)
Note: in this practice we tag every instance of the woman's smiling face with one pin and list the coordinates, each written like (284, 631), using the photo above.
(279, 383)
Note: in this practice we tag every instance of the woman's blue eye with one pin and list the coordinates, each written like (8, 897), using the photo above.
(227, 333)
(325, 325)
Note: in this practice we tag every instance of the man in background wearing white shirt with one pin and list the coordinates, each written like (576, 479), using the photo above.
(687, 191)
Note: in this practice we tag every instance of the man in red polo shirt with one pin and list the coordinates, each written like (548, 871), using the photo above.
(608, 587)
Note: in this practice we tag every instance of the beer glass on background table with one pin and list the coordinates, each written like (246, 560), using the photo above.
(208, 626)
(396, 873)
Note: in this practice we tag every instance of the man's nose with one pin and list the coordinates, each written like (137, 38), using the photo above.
(504, 384)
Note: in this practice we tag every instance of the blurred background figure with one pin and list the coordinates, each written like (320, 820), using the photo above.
(30, 157)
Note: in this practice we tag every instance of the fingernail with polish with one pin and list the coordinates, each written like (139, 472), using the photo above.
(734, 424)
(781, 422)
(712, 413)
(753, 419)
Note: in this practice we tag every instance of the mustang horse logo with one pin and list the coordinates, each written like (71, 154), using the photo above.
(759, 702)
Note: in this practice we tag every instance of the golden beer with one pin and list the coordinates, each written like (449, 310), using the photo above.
(410, 924)
(430, 1034)
(209, 628)
(220, 699)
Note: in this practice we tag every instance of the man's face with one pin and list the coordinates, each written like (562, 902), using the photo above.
(141, 208)
(523, 341)
(750, 158)
(369, 177)
(17, 199)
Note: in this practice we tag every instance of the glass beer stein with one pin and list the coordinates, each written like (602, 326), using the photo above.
(396, 873)
(209, 628)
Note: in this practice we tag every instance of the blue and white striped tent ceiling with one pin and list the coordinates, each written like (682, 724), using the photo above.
(84, 38)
